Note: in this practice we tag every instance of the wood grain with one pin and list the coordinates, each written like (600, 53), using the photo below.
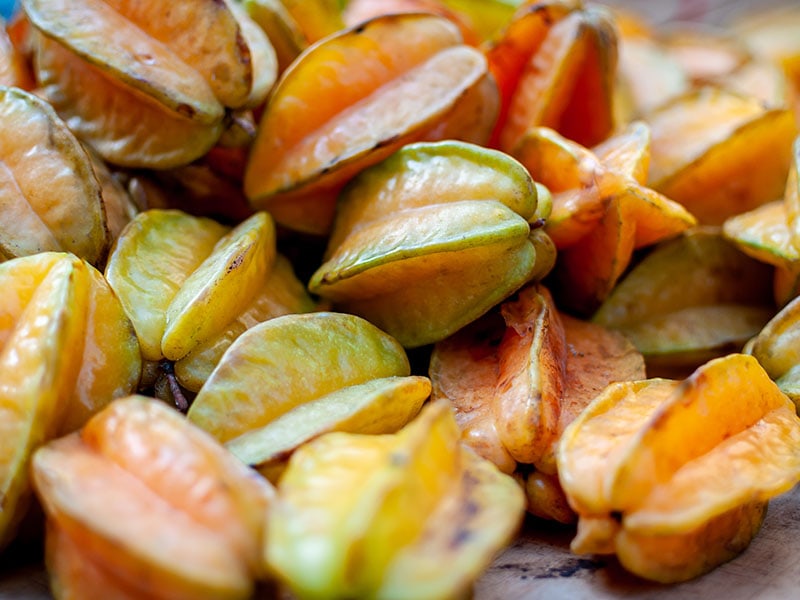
(539, 566)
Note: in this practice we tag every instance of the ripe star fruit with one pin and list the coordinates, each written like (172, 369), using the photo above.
(518, 376)
(119, 205)
(555, 64)
(283, 31)
(378, 516)
(691, 299)
(771, 234)
(316, 18)
(647, 74)
(487, 17)
(50, 199)
(772, 35)
(154, 93)
(140, 503)
(360, 11)
(720, 153)
(191, 285)
(776, 349)
(602, 211)
(324, 365)
(432, 238)
(381, 405)
(354, 98)
(66, 350)
(674, 477)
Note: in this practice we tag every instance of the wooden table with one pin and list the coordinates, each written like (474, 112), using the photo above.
(540, 567)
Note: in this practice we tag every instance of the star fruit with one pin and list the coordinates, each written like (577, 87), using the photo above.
(292, 378)
(43, 161)
(518, 376)
(379, 515)
(135, 81)
(433, 237)
(555, 64)
(674, 476)
(66, 350)
(602, 209)
(353, 99)
(140, 503)
(191, 285)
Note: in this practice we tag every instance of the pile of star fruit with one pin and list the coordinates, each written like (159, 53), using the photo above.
(328, 298)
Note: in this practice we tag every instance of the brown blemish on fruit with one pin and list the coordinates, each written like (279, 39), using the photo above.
(235, 264)
(186, 111)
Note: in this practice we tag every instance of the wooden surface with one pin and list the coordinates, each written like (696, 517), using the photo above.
(540, 567)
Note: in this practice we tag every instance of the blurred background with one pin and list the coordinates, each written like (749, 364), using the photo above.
(707, 11)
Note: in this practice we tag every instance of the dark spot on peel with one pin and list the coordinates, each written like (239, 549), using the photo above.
(461, 537)
(186, 111)
(471, 509)
(538, 223)
(235, 264)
